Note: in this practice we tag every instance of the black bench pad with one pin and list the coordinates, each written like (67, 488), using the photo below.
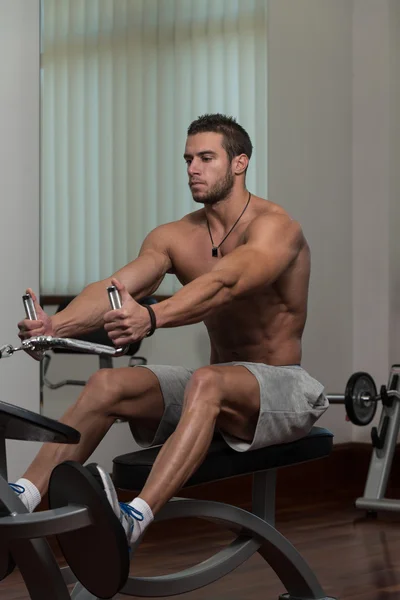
(130, 471)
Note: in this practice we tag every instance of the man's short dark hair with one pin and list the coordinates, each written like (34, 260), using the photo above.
(235, 139)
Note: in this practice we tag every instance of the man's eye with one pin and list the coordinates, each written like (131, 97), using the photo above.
(206, 158)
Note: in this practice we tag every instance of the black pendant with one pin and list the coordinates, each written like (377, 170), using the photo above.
(214, 251)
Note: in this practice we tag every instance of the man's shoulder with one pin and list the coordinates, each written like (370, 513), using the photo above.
(167, 235)
(270, 214)
(270, 217)
(267, 208)
(193, 218)
(173, 227)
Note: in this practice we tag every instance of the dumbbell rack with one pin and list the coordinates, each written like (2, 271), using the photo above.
(384, 440)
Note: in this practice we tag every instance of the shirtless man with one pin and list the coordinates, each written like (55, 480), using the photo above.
(244, 265)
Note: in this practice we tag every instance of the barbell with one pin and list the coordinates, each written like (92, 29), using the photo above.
(361, 398)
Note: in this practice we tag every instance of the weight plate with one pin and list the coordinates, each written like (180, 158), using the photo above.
(98, 555)
(360, 410)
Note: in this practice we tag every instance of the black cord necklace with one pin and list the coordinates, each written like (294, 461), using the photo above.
(215, 248)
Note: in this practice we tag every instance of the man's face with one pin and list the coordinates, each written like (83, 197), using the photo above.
(208, 167)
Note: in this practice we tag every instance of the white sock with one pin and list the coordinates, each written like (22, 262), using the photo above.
(31, 496)
(148, 517)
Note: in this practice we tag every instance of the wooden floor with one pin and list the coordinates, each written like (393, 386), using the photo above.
(353, 557)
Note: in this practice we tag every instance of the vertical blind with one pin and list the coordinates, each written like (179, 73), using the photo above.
(121, 80)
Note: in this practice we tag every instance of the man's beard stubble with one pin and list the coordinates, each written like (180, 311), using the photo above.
(218, 192)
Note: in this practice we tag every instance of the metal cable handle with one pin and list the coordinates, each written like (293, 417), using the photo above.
(47, 342)
(37, 346)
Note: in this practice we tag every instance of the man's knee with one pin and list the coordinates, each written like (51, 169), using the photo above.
(106, 388)
(205, 390)
(101, 389)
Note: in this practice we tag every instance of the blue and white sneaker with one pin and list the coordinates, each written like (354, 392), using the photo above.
(126, 514)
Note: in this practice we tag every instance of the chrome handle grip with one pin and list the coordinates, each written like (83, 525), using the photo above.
(36, 347)
(115, 302)
(114, 297)
(29, 306)
(30, 312)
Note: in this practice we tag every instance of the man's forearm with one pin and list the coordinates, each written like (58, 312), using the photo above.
(194, 302)
(86, 311)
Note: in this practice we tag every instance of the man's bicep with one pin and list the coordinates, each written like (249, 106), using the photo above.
(276, 242)
(145, 273)
(157, 239)
(157, 243)
(268, 253)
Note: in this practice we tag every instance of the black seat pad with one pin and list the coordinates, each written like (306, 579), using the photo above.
(130, 471)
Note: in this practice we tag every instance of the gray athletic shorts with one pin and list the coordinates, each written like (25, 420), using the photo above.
(290, 403)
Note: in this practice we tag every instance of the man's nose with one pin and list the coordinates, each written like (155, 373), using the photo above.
(193, 168)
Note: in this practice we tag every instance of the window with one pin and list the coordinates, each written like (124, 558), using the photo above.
(121, 82)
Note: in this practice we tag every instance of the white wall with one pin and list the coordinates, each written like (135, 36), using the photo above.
(19, 200)
(394, 179)
(310, 170)
(371, 192)
(334, 151)
(376, 190)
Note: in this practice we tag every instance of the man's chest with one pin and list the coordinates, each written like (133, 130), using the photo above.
(195, 255)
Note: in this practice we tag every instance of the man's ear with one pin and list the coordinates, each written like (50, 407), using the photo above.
(240, 164)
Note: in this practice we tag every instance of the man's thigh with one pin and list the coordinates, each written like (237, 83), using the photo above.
(171, 384)
(266, 405)
(138, 396)
(240, 405)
